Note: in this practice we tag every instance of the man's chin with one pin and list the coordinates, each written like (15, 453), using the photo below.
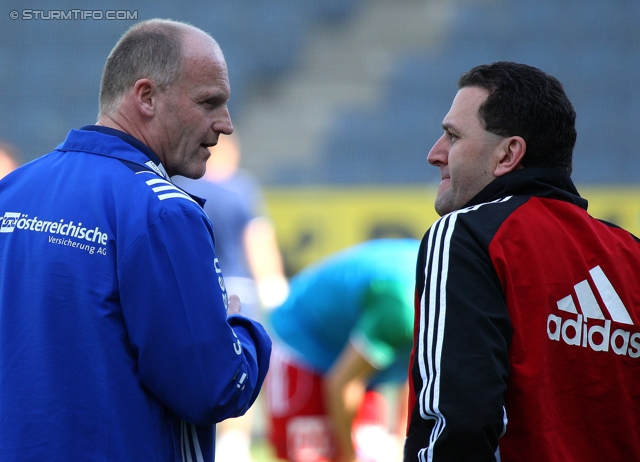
(196, 174)
(193, 171)
(442, 204)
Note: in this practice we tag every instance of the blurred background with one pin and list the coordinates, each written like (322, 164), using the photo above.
(337, 102)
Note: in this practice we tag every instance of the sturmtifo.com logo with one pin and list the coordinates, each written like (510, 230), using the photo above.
(579, 331)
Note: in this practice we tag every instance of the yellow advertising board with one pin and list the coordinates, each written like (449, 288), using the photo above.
(312, 222)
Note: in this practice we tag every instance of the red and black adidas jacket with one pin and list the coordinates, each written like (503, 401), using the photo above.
(527, 330)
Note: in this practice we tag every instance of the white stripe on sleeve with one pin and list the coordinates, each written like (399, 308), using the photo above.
(432, 322)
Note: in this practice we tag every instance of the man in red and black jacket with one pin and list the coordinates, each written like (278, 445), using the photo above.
(527, 326)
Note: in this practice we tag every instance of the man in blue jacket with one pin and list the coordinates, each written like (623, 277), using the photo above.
(117, 338)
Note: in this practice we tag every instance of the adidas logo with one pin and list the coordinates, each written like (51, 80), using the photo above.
(582, 331)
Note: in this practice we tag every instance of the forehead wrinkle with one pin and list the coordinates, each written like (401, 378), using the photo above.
(206, 75)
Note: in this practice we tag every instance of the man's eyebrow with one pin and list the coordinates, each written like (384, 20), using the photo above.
(447, 126)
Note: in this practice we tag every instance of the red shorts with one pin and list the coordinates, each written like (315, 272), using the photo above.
(299, 428)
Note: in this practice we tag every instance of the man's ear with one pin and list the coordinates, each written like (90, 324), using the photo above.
(145, 92)
(514, 148)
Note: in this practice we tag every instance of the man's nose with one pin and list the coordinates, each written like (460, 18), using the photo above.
(438, 153)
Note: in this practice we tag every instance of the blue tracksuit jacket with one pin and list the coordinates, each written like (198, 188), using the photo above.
(114, 339)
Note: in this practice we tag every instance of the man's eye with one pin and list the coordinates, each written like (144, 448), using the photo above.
(451, 136)
(213, 102)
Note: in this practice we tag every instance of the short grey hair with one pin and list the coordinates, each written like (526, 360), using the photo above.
(150, 49)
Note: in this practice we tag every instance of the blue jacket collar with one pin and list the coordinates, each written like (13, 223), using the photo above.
(155, 164)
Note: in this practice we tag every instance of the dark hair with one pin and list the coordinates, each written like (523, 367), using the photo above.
(525, 101)
(151, 49)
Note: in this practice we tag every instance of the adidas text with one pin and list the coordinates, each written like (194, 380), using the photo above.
(595, 336)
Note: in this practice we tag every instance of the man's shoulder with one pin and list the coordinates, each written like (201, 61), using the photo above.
(102, 144)
(487, 214)
(472, 226)
(81, 183)
(123, 169)
(163, 192)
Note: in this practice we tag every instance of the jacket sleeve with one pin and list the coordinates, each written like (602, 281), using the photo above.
(203, 366)
(460, 360)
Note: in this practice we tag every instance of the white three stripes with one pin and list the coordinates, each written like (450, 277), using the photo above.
(436, 271)
(166, 185)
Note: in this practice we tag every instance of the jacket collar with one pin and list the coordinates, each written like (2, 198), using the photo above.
(113, 143)
(534, 181)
